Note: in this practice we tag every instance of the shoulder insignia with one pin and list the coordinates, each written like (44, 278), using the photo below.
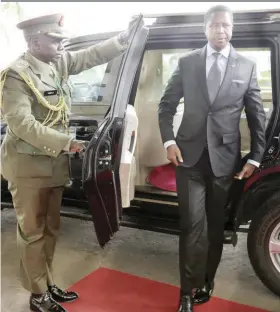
(19, 65)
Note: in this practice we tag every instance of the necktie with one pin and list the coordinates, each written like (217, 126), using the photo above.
(214, 79)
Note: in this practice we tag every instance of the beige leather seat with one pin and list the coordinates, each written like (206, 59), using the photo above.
(151, 150)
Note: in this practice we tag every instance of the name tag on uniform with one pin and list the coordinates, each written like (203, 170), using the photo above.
(50, 92)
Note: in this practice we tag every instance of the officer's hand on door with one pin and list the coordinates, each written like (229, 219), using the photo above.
(77, 146)
(126, 35)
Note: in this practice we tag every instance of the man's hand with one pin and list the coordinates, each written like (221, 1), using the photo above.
(125, 35)
(174, 154)
(246, 172)
(77, 146)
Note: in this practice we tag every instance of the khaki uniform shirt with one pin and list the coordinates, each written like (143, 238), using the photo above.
(32, 152)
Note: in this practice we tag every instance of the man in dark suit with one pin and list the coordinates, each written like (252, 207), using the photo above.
(216, 84)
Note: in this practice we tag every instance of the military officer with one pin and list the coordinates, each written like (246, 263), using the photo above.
(35, 102)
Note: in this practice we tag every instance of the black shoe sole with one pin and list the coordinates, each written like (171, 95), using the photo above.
(63, 301)
(33, 308)
(200, 301)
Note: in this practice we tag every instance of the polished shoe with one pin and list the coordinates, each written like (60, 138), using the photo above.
(186, 304)
(60, 295)
(202, 295)
(45, 303)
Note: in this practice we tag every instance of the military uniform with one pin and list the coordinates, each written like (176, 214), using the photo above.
(35, 104)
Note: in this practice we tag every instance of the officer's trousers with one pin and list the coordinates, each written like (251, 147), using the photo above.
(38, 222)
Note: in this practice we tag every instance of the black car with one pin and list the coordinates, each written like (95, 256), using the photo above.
(111, 178)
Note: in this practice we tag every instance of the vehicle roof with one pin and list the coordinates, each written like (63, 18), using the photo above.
(169, 23)
(255, 16)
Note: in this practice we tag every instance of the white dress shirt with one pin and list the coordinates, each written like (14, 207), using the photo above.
(222, 64)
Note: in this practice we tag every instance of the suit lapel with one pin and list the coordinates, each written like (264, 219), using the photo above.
(201, 72)
(229, 74)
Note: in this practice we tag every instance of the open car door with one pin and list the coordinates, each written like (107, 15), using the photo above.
(102, 158)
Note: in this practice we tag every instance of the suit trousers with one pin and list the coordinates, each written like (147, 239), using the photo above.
(202, 199)
(38, 222)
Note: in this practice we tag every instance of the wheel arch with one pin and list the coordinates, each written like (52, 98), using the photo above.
(258, 241)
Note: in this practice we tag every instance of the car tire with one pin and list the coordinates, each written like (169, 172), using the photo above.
(262, 226)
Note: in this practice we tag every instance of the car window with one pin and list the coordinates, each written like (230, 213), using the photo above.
(261, 56)
(92, 90)
(158, 66)
(86, 86)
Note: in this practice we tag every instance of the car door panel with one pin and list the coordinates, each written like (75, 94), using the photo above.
(101, 163)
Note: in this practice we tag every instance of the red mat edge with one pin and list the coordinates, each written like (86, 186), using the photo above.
(122, 272)
(145, 278)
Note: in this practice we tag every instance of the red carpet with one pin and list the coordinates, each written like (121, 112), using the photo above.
(106, 290)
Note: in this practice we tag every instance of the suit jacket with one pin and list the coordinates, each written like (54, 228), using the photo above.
(32, 152)
(216, 123)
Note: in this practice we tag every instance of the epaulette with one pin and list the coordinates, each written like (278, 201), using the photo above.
(19, 66)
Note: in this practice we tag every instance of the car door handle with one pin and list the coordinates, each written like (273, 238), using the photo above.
(132, 142)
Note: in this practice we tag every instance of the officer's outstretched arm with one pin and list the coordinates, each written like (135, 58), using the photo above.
(98, 54)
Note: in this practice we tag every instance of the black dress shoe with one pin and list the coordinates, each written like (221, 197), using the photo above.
(202, 295)
(186, 304)
(45, 303)
(61, 295)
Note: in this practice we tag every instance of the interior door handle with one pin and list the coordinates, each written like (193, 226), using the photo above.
(132, 142)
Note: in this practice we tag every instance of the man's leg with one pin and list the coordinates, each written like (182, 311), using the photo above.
(30, 204)
(193, 242)
(51, 233)
(217, 197)
(52, 227)
(217, 191)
